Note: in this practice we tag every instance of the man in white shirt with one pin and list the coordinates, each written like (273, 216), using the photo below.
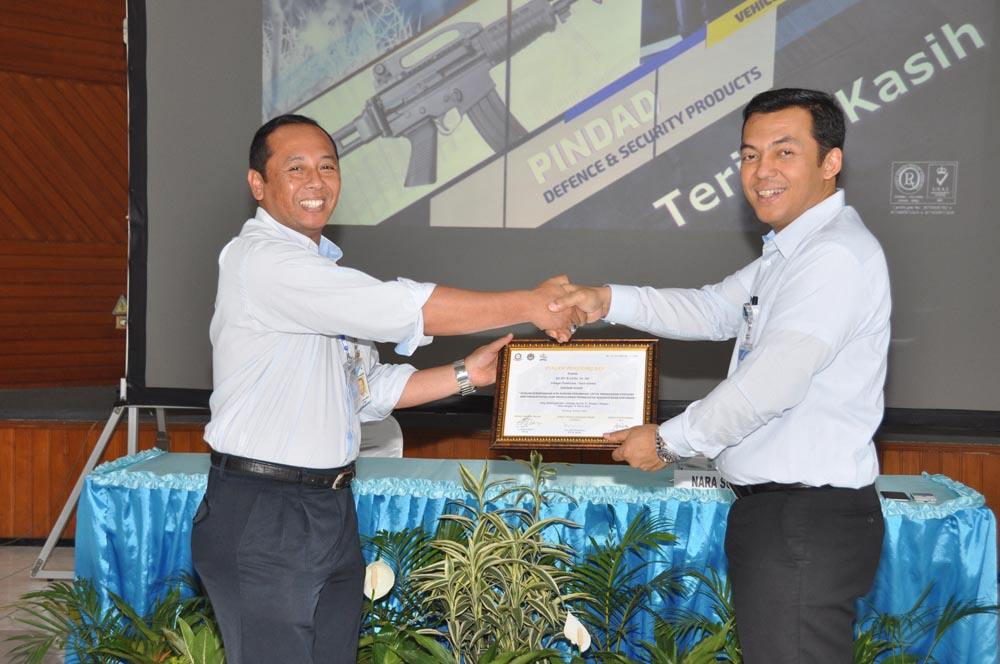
(791, 426)
(275, 540)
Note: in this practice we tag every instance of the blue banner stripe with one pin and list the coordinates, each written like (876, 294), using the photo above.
(653, 63)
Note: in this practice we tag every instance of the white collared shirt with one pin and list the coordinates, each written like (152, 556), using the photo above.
(804, 403)
(280, 389)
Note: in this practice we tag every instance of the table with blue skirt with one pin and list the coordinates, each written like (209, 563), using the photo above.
(134, 529)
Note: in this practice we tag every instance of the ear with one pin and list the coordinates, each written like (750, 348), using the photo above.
(832, 163)
(256, 182)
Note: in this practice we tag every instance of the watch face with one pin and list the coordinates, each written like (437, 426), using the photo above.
(663, 452)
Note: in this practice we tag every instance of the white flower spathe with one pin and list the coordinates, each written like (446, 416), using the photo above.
(576, 633)
(379, 579)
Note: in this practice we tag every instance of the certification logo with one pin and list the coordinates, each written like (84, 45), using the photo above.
(924, 187)
(909, 179)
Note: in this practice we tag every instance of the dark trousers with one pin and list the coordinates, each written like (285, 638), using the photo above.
(798, 561)
(283, 568)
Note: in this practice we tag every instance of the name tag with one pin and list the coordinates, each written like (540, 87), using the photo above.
(699, 479)
(356, 376)
(750, 312)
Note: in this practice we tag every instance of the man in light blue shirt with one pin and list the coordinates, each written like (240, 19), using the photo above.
(791, 426)
(276, 540)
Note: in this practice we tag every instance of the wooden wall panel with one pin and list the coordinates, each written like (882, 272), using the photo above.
(41, 461)
(976, 466)
(7, 494)
(73, 39)
(22, 486)
(56, 135)
(64, 192)
(56, 327)
(429, 444)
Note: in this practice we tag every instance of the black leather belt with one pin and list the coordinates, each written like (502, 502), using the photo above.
(742, 491)
(334, 478)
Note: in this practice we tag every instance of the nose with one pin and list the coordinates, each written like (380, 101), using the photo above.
(313, 179)
(765, 166)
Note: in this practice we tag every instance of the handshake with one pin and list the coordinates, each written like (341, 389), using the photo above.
(566, 307)
(555, 306)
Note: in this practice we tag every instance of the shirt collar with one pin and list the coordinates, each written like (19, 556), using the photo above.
(326, 247)
(810, 221)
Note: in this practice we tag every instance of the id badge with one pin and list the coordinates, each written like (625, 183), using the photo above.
(356, 378)
(749, 317)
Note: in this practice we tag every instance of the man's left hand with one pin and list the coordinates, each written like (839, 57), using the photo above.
(482, 362)
(638, 447)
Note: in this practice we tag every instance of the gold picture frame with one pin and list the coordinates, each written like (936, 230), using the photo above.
(551, 395)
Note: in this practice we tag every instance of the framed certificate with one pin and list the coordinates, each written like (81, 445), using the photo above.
(569, 395)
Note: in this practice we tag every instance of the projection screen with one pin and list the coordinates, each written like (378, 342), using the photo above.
(491, 144)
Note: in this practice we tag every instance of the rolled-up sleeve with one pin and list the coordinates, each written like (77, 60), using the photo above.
(287, 292)
(386, 382)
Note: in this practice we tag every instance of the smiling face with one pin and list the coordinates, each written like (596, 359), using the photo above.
(780, 167)
(302, 181)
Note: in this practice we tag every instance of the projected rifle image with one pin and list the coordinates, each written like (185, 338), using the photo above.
(417, 100)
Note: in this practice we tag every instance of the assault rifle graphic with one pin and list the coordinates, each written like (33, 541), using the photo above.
(412, 100)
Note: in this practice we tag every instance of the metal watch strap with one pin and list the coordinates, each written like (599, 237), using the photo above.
(465, 386)
(664, 453)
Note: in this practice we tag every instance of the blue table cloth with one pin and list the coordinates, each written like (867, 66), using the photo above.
(134, 525)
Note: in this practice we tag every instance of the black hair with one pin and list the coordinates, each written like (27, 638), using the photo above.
(260, 151)
(828, 126)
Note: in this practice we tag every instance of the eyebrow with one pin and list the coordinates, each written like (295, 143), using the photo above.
(777, 141)
(297, 157)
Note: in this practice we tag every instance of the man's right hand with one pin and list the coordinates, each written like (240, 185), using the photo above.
(450, 311)
(560, 324)
(593, 301)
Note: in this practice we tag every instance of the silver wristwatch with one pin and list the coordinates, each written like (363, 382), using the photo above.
(465, 386)
(664, 453)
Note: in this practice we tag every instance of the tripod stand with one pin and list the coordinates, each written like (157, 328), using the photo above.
(162, 441)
